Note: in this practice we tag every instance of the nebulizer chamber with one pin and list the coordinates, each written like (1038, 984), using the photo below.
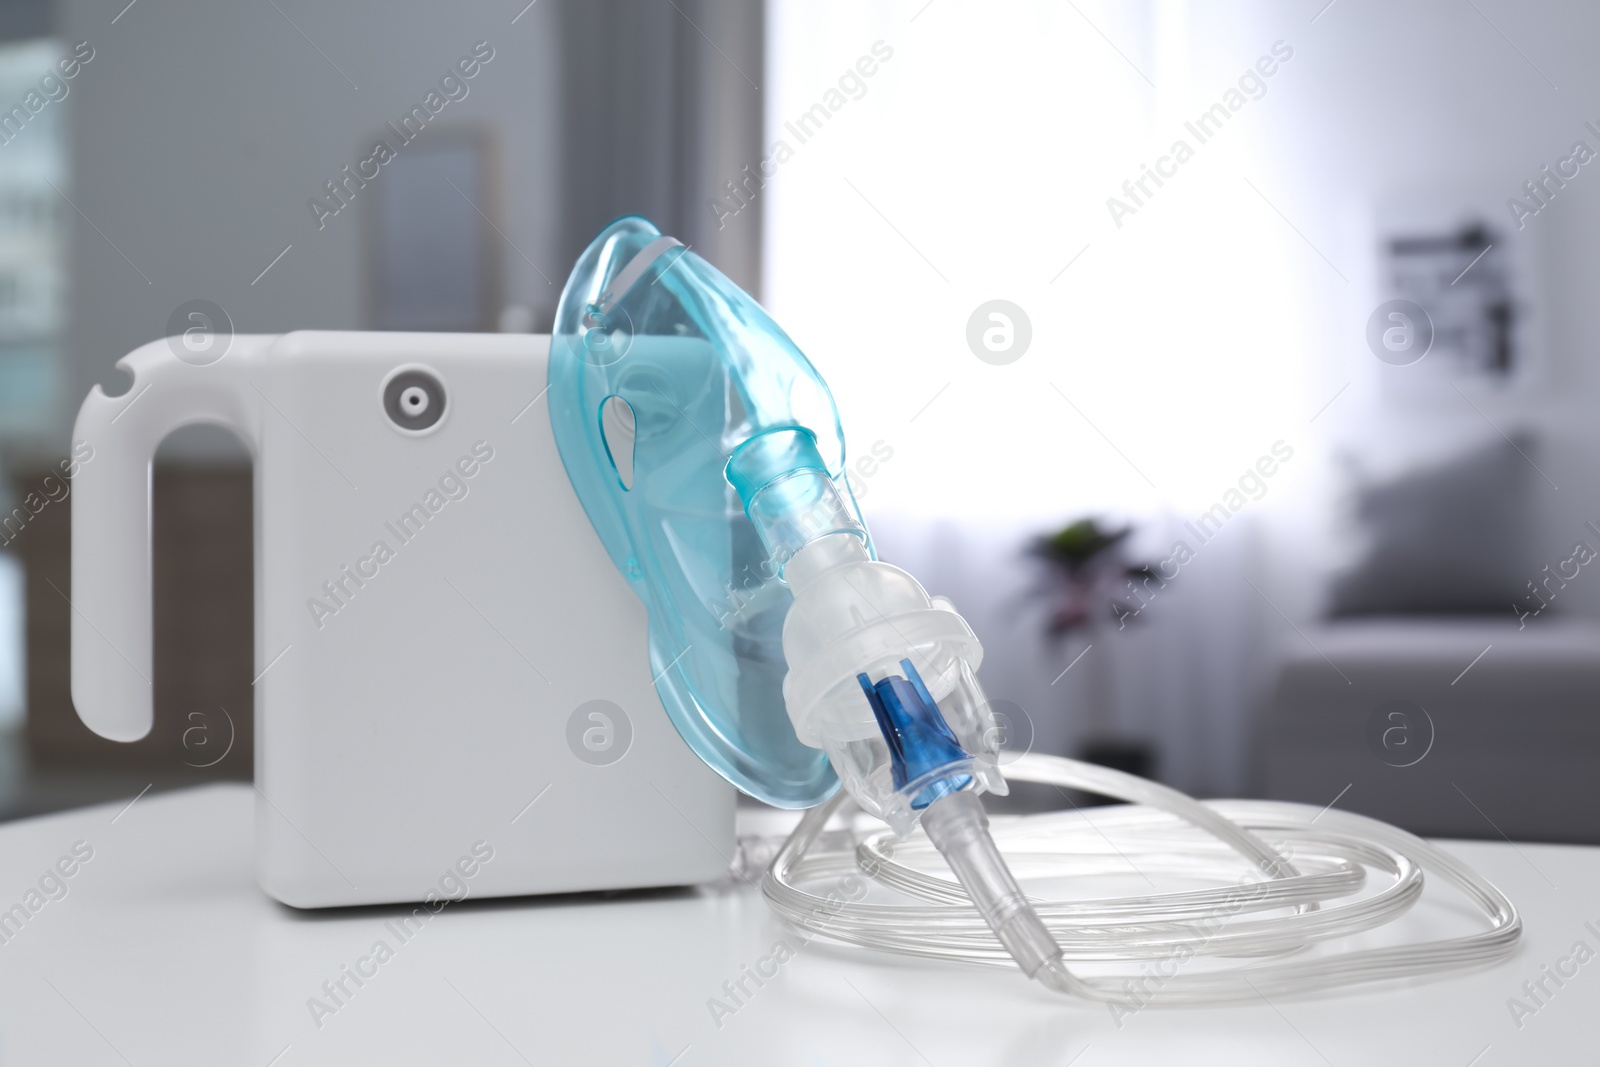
(792, 660)
(883, 679)
(860, 635)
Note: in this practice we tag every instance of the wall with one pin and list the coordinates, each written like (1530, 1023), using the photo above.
(199, 131)
(1443, 103)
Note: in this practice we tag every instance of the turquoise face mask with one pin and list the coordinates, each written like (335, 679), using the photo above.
(672, 393)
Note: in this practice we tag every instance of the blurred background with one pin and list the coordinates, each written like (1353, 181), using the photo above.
(1229, 365)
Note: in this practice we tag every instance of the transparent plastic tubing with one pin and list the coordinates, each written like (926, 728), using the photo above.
(1240, 938)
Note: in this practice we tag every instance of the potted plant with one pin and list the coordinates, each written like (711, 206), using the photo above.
(1086, 568)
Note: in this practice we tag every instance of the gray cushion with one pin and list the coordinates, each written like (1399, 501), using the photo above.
(1446, 538)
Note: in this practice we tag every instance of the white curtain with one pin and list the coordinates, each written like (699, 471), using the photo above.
(974, 163)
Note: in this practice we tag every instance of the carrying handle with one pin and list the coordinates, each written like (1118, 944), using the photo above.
(111, 583)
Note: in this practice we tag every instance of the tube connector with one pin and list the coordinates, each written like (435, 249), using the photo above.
(788, 493)
(959, 828)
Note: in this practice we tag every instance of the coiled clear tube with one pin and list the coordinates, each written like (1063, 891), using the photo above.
(1268, 901)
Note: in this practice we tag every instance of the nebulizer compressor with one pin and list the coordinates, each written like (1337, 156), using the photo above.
(839, 668)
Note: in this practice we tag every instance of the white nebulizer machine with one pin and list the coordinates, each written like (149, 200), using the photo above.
(477, 554)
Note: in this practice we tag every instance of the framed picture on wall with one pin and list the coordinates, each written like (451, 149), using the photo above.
(1472, 273)
(1461, 275)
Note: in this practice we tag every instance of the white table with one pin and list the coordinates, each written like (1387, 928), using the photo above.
(164, 952)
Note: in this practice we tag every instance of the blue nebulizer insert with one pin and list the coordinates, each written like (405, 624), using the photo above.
(919, 739)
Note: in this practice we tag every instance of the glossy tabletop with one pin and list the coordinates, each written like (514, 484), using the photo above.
(159, 949)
